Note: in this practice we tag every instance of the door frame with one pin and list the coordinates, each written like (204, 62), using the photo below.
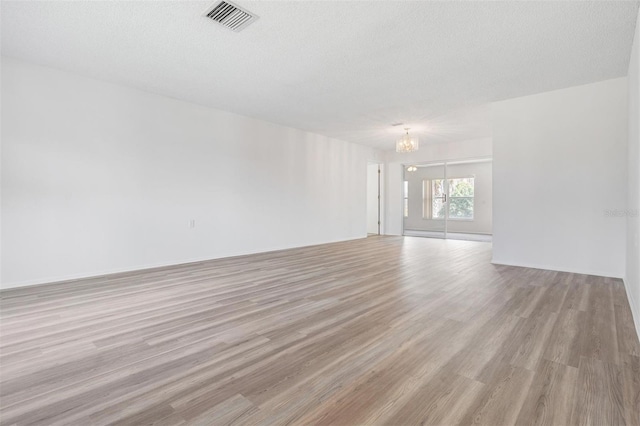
(380, 195)
(445, 163)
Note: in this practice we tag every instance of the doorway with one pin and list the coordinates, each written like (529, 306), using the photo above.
(449, 199)
(374, 220)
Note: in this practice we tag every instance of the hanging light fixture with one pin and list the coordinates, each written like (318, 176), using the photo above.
(407, 143)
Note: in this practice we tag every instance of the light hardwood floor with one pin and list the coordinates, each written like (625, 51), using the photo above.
(384, 330)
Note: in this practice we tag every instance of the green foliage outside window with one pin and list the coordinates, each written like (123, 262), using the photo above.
(461, 193)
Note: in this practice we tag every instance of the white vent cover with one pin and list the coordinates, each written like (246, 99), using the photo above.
(231, 16)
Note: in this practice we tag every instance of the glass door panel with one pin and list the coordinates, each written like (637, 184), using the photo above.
(470, 199)
(425, 200)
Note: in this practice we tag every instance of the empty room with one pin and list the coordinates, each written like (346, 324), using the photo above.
(320, 213)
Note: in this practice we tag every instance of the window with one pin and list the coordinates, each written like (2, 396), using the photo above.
(461, 192)
(437, 200)
(460, 197)
(406, 198)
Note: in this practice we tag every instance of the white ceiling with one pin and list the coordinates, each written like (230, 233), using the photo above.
(343, 69)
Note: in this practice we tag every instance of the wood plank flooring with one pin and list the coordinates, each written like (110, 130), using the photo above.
(383, 330)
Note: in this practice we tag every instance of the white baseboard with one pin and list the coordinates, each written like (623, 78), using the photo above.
(96, 274)
(598, 273)
(148, 267)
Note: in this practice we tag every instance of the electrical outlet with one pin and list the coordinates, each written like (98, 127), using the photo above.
(192, 223)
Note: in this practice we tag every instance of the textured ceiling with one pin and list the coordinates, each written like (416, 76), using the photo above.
(343, 69)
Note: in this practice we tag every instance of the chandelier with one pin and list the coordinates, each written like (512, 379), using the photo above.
(407, 143)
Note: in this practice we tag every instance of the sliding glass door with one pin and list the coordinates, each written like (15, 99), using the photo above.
(448, 200)
(426, 200)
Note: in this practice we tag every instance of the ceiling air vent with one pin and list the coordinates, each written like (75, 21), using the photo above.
(231, 16)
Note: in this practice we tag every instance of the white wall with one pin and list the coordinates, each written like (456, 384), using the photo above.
(428, 153)
(559, 163)
(372, 198)
(98, 178)
(632, 277)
